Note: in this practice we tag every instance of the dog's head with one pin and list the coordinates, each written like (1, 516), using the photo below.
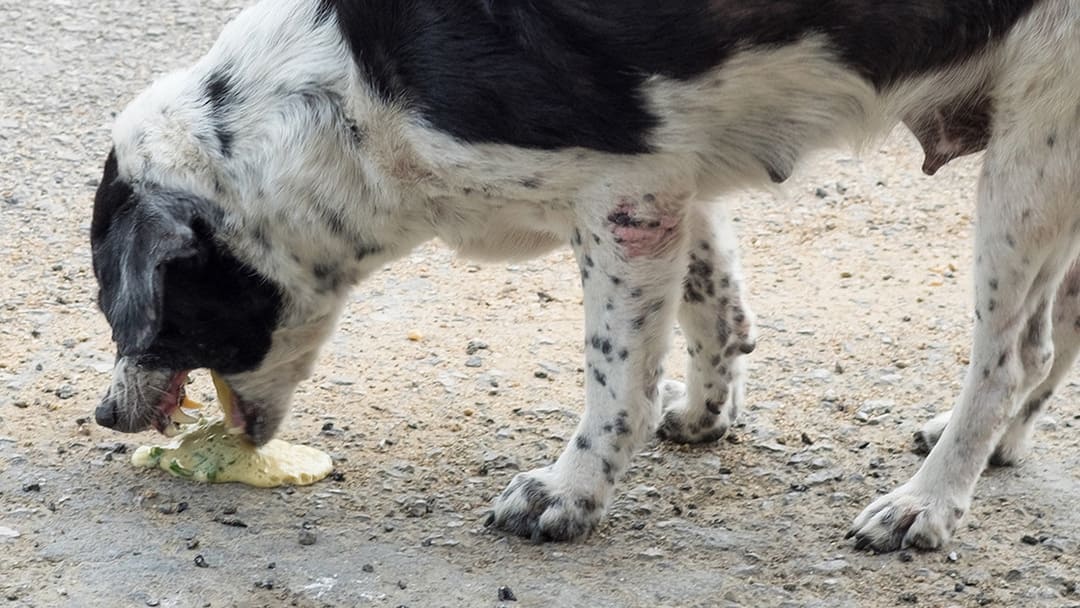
(178, 299)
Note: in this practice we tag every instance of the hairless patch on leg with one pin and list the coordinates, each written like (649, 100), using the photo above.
(642, 231)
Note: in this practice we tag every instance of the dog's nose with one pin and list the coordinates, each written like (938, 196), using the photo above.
(106, 413)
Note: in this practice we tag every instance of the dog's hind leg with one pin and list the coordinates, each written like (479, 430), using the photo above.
(1026, 239)
(1066, 334)
(630, 243)
(719, 330)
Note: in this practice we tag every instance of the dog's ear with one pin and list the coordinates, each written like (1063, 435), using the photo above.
(131, 251)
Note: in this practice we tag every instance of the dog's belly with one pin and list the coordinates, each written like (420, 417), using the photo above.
(504, 230)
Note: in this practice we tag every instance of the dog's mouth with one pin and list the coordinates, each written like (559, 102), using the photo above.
(174, 410)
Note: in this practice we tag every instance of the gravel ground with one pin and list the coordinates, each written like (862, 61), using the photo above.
(859, 275)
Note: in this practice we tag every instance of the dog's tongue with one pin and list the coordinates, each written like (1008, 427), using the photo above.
(234, 418)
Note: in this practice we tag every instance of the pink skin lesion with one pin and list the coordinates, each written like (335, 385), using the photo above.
(642, 232)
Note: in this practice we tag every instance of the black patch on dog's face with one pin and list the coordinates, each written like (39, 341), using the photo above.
(174, 296)
(563, 73)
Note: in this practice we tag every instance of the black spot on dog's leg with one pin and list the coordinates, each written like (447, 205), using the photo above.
(609, 471)
(363, 251)
(623, 218)
(328, 276)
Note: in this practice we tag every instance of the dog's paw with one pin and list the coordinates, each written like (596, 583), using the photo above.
(683, 424)
(536, 506)
(1010, 450)
(906, 517)
(927, 437)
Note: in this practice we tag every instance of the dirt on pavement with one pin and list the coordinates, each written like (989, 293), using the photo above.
(859, 275)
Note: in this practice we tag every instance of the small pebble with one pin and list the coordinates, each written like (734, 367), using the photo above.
(402, 585)
(368, 568)
(474, 361)
(1028, 539)
(153, 603)
(909, 598)
(32, 487)
(506, 595)
(474, 346)
(200, 561)
(415, 336)
(307, 537)
(232, 522)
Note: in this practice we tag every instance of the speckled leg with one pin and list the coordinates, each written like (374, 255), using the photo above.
(631, 252)
(1014, 443)
(719, 331)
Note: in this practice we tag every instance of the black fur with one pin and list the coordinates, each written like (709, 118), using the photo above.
(220, 93)
(174, 297)
(564, 73)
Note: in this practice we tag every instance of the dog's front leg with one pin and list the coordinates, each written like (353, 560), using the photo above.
(630, 245)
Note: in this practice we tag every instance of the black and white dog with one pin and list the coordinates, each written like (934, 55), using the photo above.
(320, 139)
